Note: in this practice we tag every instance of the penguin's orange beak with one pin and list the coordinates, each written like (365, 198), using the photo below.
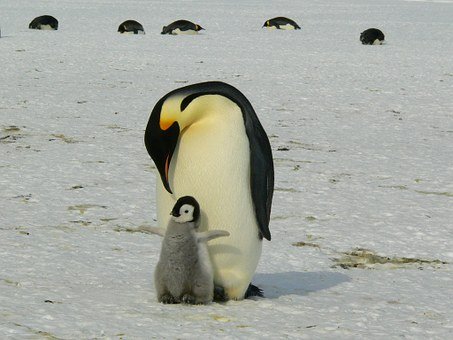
(160, 141)
(165, 123)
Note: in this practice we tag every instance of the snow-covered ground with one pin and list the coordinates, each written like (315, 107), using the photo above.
(363, 147)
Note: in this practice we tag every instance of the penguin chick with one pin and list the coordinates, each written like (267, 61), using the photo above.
(184, 272)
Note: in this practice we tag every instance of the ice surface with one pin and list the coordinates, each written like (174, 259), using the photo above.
(362, 138)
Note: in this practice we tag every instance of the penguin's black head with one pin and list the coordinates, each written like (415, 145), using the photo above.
(173, 113)
(161, 139)
(185, 210)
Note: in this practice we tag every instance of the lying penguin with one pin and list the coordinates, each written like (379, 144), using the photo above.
(44, 22)
(131, 26)
(281, 23)
(184, 272)
(372, 36)
(181, 27)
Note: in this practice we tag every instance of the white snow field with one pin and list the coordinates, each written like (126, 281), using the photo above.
(362, 138)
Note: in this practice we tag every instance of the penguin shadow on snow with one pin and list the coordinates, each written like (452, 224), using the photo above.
(276, 285)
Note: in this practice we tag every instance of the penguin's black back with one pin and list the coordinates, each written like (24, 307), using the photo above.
(42, 20)
(369, 36)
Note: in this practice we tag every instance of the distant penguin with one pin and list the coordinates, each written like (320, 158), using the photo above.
(372, 36)
(181, 27)
(44, 22)
(184, 272)
(131, 26)
(206, 139)
(281, 23)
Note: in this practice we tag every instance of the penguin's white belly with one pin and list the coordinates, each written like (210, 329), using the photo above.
(287, 27)
(180, 32)
(46, 27)
(132, 32)
(212, 164)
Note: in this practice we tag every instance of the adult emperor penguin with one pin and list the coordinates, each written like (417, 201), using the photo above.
(281, 23)
(44, 22)
(372, 36)
(131, 26)
(181, 27)
(206, 141)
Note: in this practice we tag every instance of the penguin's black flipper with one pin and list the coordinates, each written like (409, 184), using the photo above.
(252, 291)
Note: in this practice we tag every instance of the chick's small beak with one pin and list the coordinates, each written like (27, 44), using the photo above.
(175, 213)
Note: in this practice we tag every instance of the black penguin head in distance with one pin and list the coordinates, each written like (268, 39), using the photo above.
(186, 209)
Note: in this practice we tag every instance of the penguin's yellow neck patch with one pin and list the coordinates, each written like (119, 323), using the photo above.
(206, 107)
(170, 112)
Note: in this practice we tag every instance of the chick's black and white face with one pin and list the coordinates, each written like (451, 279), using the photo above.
(186, 214)
(186, 210)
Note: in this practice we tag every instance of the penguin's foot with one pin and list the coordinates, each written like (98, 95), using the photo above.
(219, 294)
(168, 299)
(189, 299)
(252, 291)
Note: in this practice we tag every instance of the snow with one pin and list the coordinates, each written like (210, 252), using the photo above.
(362, 138)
